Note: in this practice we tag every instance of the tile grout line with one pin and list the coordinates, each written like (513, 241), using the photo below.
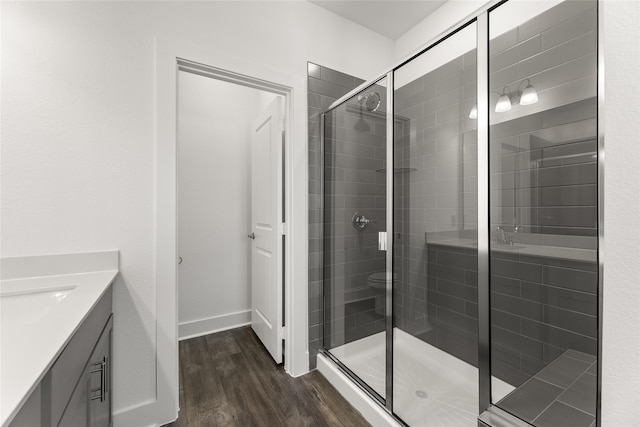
(565, 389)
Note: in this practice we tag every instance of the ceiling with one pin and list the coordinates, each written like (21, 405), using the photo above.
(389, 18)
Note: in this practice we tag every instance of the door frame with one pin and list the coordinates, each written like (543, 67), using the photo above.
(170, 56)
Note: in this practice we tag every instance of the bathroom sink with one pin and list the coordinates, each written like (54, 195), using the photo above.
(19, 308)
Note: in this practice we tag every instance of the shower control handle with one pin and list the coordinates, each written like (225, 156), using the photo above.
(360, 222)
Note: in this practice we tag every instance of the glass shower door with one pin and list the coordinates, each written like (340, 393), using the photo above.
(354, 179)
(435, 345)
(544, 210)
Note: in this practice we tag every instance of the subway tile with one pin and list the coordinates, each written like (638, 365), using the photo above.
(551, 352)
(404, 92)
(531, 365)
(447, 114)
(515, 54)
(582, 394)
(569, 132)
(517, 342)
(505, 285)
(504, 320)
(441, 101)
(505, 355)
(503, 77)
(584, 216)
(451, 82)
(563, 371)
(470, 58)
(517, 306)
(566, 72)
(456, 319)
(417, 98)
(313, 70)
(516, 270)
(573, 49)
(558, 337)
(326, 88)
(581, 356)
(507, 373)
(568, 175)
(558, 297)
(503, 41)
(530, 399)
(571, 195)
(584, 281)
(457, 260)
(336, 77)
(559, 414)
(516, 126)
(582, 110)
(552, 17)
(571, 28)
(442, 301)
(444, 71)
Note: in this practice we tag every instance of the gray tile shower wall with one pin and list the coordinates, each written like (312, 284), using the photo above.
(536, 311)
(435, 191)
(324, 86)
(543, 156)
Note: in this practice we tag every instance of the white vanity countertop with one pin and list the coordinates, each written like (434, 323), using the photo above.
(40, 314)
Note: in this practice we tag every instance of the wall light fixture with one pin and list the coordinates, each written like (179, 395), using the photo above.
(527, 96)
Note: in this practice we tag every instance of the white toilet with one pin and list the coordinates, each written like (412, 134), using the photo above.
(378, 282)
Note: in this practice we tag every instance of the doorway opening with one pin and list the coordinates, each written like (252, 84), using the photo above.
(231, 185)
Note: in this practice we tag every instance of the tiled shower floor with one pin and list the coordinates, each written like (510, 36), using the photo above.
(435, 389)
(561, 394)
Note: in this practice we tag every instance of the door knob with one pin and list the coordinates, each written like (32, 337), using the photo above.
(252, 236)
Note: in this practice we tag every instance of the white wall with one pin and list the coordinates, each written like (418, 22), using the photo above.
(214, 203)
(621, 296)
(621, 330)
(78, 131)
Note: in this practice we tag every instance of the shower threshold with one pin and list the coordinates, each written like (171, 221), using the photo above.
(431, 387)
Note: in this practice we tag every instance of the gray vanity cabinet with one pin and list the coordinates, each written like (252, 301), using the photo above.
(76, 391)
(90, 403)
(99, 380)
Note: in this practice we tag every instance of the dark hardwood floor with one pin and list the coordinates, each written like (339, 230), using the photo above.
(229, 379)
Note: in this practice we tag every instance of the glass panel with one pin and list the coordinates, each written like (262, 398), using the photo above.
(543, 210)
(354, 214)
(435, 376)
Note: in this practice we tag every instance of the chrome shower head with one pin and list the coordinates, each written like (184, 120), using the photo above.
(371, 101)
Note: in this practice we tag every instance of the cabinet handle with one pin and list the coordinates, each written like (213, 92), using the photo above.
(100, 367)
(107, 375)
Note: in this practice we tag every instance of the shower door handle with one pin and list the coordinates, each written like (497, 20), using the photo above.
(382, 240)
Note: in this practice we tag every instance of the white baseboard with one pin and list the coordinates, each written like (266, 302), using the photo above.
(370, 410)
(197, 328)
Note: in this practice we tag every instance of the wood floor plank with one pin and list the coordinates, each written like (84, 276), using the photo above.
(229, 379)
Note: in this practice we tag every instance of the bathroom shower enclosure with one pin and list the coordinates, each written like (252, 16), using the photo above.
(461, 212)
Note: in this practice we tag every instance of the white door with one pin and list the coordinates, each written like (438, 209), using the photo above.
(266, 218)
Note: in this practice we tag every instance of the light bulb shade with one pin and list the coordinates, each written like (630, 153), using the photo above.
(529, 96)
(473, 114)
(503, 104)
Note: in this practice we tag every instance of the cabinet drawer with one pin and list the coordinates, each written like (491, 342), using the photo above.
(68, 369)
